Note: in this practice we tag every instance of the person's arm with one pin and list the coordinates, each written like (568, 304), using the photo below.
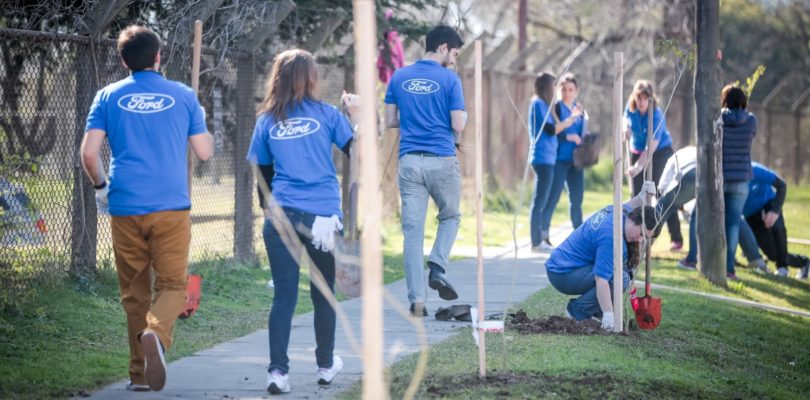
(267, 172)
(347, 148)
(391, 116)
(458, 120)
(603, 295)
(647, 188)
(773, 208)
(91, 156)
(642, 159)
(202, 144)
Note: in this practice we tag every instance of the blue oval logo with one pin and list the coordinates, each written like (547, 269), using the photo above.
(420, 86)
(146, 103)
(293, 128)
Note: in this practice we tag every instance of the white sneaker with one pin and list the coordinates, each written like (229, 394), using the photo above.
(278, 383)
(546, 245)
(803, 271)
(537, 249)
(782, 271)
(326, 375)
(759, 265)
(154, 361)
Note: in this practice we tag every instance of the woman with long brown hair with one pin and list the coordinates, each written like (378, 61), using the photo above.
(543, 145)
(292, 145)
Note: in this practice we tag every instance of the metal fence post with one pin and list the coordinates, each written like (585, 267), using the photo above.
(243, 183)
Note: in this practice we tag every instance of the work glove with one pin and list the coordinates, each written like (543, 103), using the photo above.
(648, 187)
(607, 320)
(323, 232)
(103, 200)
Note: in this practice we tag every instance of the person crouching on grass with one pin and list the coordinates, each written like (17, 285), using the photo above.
(583, 263)
(292, 145)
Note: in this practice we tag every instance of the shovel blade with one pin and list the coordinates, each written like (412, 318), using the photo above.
(648, 314)
(193, 296)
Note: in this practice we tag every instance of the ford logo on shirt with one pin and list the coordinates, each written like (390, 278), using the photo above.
(146, 103)
(420, 86)
(294, 128)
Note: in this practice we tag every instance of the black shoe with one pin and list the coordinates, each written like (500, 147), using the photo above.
(437, 281)
(414, 312)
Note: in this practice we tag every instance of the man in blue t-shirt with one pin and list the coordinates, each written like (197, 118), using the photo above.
(149, 122)
(425, 101)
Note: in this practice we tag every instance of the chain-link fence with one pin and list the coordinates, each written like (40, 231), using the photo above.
(48, 224)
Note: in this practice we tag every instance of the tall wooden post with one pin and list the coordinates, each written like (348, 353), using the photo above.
(618, 170)
(195, 85)
(365, 35)
(479, 207)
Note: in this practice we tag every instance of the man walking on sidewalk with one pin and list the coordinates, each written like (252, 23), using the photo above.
(148, 121)
(426, 101)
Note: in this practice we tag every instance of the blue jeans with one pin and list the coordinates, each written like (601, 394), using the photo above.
(542, 187)
(285, 270)
(734, 196)
(420, 177)
(574, 179)
(581, 281)
(748, 242)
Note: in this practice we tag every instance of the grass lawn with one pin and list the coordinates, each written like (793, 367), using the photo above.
(702, 349)
(81, 327)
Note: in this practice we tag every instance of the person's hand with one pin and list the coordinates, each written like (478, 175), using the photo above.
(607, 320)
(633, 171)
(648, 187)
(103, 200)
(577, 111)
(770, 218)
(573, 138)
(351, 102)
(323, 232)
(627, 135)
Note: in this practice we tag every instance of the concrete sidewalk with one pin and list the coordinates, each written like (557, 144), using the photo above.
(237, 369)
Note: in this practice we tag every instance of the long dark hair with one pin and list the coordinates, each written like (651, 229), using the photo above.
(544, 87)
(650, 220)
(293, 78)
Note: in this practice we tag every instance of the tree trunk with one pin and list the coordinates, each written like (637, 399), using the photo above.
(243, 184)
(711, 237)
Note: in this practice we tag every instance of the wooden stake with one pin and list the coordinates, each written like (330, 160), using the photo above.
(365, 39)
(479, 205)
(618, 171)
(648, 173)
(195, 85)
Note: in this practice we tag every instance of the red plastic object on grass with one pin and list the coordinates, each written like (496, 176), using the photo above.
(193, 295)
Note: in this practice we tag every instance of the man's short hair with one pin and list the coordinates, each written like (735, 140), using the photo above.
(138, 46)
(440, 35)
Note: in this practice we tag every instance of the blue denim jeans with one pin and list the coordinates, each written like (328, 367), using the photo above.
(285, 270)
(734, 196)
(574, 180)
(748, 242)
(422, 177)
(544, 176)
(581, 281)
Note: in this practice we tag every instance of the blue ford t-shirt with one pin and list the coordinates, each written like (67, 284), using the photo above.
(565, 151)
(638, 128)
(300, 150)
(760, 189)
(589, 245)
(425, 93)
(544, 151)
(148, 120)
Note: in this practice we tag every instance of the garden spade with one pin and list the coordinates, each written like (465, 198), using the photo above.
(648, 313)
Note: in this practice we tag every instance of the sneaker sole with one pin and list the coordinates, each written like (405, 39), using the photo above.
(274, 389)
(155, 363)
(337, 360)
(445, 292)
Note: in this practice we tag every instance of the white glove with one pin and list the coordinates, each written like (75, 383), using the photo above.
(464, 113)
(648, 187)
(607, 320)
(323, 232)
(103, 200)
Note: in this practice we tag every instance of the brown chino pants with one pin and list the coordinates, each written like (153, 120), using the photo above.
(159, 242)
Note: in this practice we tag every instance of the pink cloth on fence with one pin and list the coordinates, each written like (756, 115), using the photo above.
(390, 57)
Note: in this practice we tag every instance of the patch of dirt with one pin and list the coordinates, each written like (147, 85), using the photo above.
(521, 322)
(500, 383)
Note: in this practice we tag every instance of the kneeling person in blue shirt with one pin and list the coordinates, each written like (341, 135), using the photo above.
(583, 264)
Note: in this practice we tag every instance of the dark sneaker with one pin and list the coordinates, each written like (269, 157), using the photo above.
(676, 246)
(137, 387)
(803, 271)
(415, 307)
(155, 369)
(782, 271)
(686, 264)
(437, 281)
(732, 276)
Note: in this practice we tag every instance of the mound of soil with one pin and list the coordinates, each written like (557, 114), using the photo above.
(521, 323)
(501, 383)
